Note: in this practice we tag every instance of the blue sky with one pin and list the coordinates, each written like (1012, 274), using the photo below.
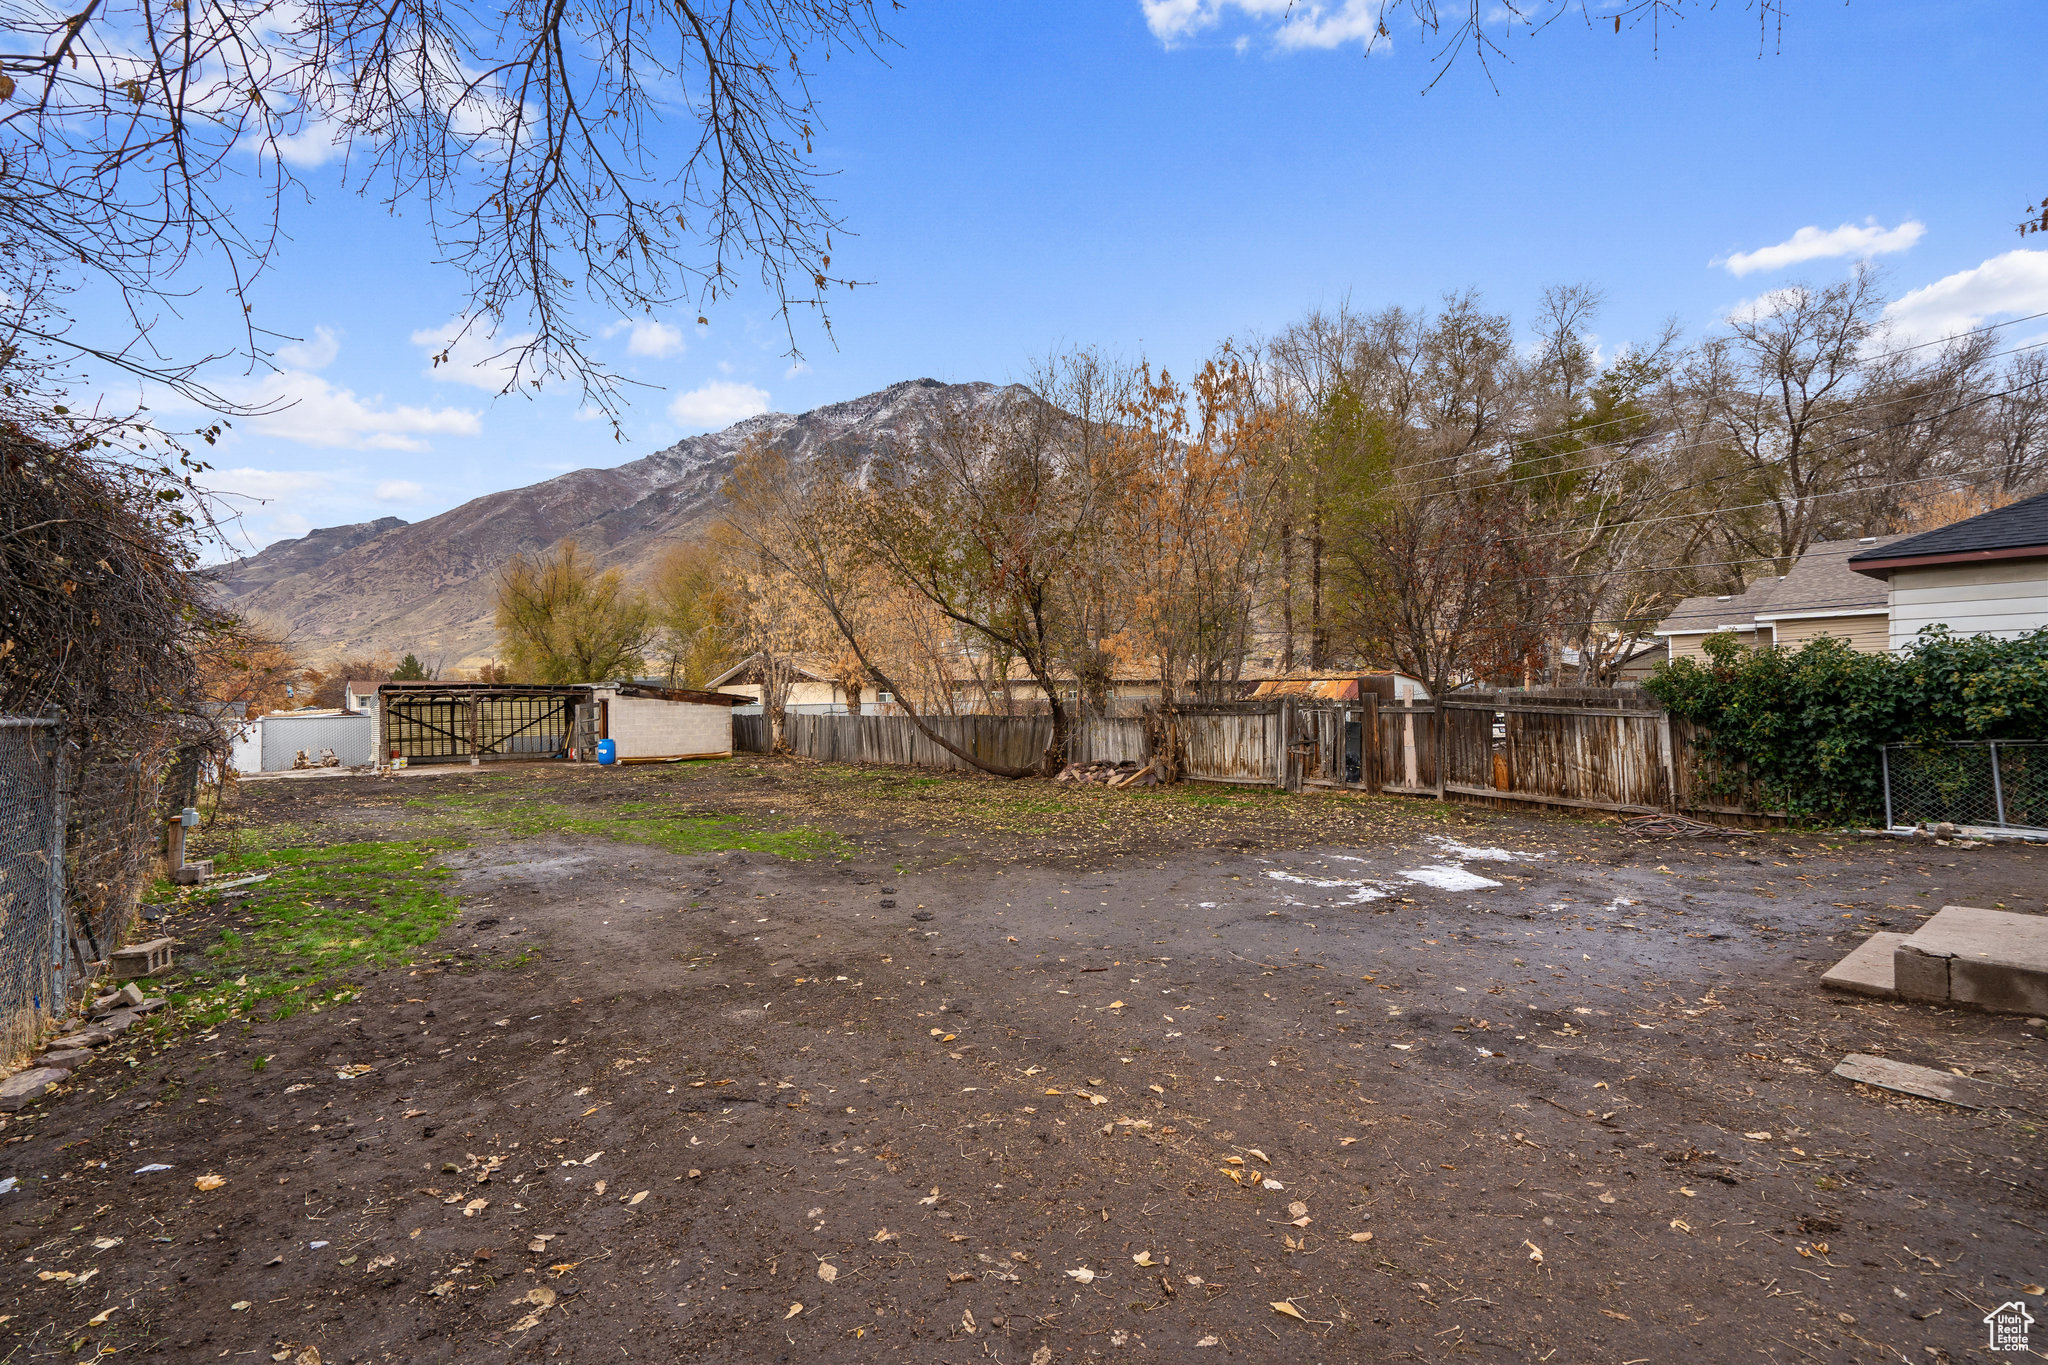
(1153, 178)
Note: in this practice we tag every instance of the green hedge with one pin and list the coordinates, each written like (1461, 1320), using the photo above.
(1806, 723)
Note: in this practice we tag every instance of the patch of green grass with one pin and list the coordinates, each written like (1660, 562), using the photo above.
(324, 914)
(642, 822)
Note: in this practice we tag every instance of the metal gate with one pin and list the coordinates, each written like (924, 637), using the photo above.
(426, 724)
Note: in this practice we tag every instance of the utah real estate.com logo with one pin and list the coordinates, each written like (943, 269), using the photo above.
(2008, 1324)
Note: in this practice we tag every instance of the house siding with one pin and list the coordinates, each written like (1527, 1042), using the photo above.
(2003, 598)
(1689, 646)
(1865, 634)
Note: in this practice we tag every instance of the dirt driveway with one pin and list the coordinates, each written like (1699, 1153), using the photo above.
(763, 1061)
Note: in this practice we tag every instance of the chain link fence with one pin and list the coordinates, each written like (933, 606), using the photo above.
(1986, 784)
(31, 880)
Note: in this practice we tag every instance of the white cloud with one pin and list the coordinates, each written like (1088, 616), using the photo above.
(1814, 244)
(317, 353)
(315, 145)
(307, 409)
(288, 526)
(475, 357)
(399, 490)
(2015, 284)
(656, 340)
(1296, 24)
(717, 404)
(263, 485)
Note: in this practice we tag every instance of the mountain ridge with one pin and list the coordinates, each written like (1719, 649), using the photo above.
(423, 587)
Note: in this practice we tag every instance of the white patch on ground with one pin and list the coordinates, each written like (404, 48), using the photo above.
(1448, 877)
(1362, 890)
(1466, 853)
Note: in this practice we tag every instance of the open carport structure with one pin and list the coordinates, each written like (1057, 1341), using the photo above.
(437, 722)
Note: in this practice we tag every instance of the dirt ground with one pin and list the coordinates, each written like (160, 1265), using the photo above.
(1014, 1073)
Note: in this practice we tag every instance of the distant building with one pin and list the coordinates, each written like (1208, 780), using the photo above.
(1822, 595)
(359, 696)
(1987, 575)
(1388, 685)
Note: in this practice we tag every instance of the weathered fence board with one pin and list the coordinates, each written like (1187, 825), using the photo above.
(1604, 757)
(1111, 739)
(1234, 744)
(1001, 741)
(751, 735)
(1408, 749)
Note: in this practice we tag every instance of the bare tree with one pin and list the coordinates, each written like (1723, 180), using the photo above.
(526, 130)
(808, 523)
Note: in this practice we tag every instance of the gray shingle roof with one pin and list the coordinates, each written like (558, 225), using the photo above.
(2021, 525)
(1721, 613)
(1823, 581)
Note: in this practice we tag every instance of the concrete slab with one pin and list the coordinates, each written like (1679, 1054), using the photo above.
(1923, 1081)
(1988, 959)
(1868, 970)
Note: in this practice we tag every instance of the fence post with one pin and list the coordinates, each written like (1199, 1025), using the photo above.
(1670, 760)
(1286, 745)
(1997, 787)
(1884, 762)
(60, 983)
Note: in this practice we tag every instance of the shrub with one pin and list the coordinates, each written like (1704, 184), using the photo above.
(1805, 724)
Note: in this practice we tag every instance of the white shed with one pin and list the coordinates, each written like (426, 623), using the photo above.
(656, 724)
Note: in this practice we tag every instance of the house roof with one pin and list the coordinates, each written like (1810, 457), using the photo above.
(1704, 614)
(811, 672)
(1822, 583)
(362, 687)
(2016, 531)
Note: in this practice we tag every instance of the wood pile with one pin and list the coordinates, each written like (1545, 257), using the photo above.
(1670, 825)
(1104, 773)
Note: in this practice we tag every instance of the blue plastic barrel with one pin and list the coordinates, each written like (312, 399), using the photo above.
(607, 752)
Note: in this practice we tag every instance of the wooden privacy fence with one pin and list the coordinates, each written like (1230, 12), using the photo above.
(1002, 741)
(751, 735)
(1596, 749)
(1243, 742)
(1108, 739)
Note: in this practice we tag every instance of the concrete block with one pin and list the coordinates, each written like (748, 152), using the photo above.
(1868, 970)
(1986, 959)
(142, 959)
(24, 1087)
(193, 873)
(1918, 974)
